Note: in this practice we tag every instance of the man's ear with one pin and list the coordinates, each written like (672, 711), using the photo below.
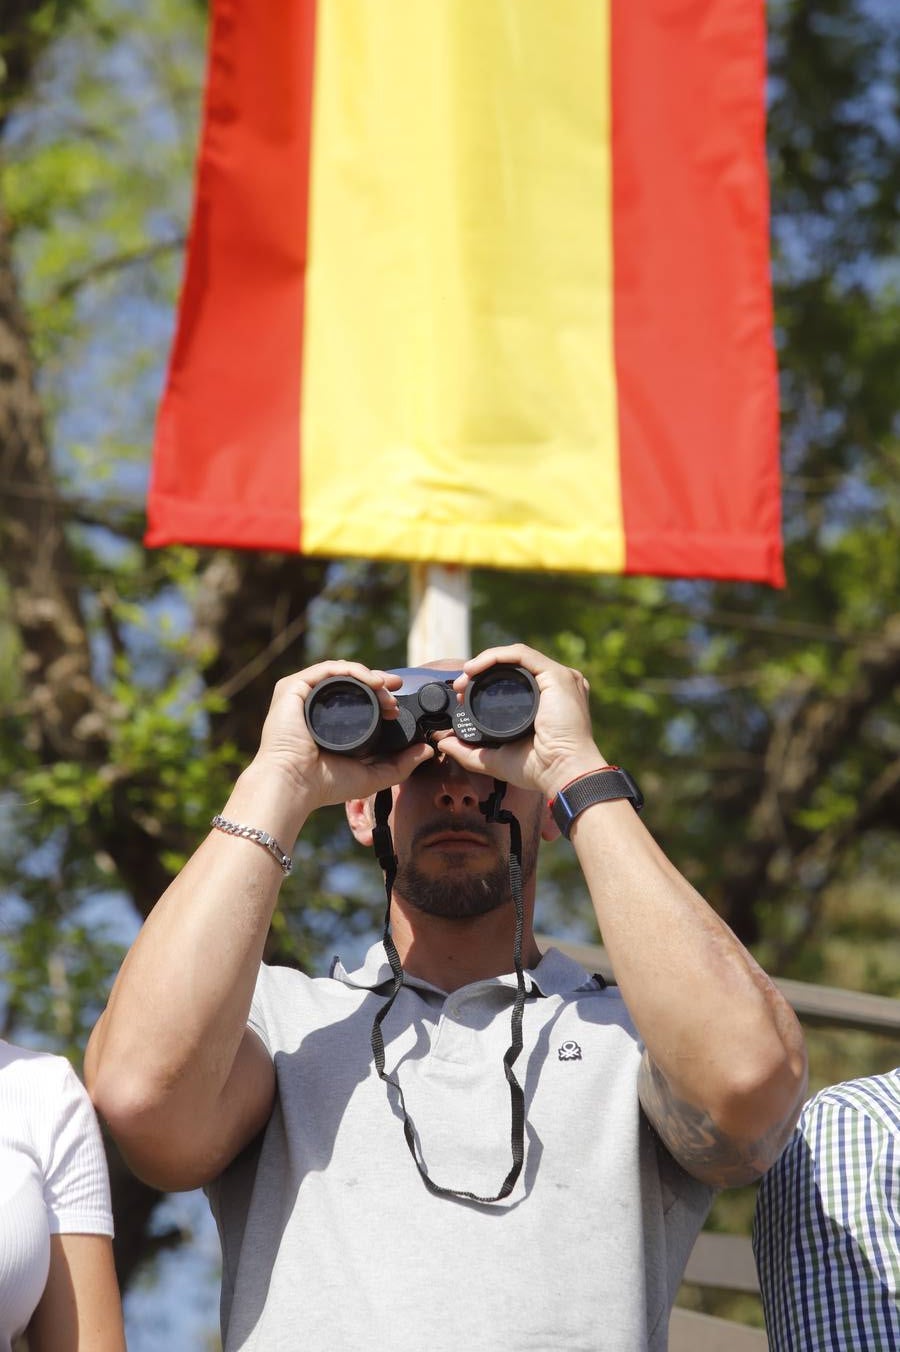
(361, 817)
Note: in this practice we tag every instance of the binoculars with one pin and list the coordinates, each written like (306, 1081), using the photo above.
(499, 705)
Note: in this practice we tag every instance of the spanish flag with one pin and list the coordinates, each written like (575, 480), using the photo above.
(479, 282)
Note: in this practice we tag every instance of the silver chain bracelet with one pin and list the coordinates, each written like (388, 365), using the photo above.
(253, 833)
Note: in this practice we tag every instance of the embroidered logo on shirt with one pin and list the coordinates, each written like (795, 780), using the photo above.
(570, 1051)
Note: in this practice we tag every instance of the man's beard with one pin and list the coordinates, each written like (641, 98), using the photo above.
(463, 893)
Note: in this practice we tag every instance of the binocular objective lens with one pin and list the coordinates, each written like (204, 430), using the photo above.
(341, 716)
(504, 704)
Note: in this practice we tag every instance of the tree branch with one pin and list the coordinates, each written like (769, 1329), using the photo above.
(103, 267)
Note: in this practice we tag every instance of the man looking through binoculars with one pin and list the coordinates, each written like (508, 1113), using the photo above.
(353, 1131)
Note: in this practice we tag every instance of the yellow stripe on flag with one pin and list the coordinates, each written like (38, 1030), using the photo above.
(459, 324)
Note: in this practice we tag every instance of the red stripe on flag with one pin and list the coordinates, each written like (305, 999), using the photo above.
(217, 474)
(695, 362)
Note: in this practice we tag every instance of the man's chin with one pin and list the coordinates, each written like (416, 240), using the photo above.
(458, 909)
(454, 893)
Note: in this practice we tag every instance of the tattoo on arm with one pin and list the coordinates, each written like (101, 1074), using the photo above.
(692, 1137)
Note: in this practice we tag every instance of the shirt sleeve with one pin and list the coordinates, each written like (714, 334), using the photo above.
(256, 1019)
(76, 1179)
(827, 1234)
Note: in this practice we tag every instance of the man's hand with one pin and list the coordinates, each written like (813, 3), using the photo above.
(287, 748)
(562, 745)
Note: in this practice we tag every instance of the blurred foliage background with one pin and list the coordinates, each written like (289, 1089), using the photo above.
(764, 726)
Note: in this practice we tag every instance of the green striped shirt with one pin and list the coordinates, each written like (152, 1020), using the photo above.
(827, 1228)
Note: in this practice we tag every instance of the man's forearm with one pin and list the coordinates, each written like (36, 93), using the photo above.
(178, 1010)
(724, 1045)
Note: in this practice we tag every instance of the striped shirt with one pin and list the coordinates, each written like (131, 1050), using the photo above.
(827, 1228)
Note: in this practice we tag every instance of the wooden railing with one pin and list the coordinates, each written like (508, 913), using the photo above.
(817, 1006)
(725, 1262)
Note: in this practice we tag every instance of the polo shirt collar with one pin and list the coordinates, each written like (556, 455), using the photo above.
(555, 974)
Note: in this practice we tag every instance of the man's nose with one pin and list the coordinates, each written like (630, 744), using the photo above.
(455, 790)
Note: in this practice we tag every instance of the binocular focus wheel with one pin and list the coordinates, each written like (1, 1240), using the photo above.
(433, 698)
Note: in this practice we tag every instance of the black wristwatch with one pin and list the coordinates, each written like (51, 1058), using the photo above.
(603, 786)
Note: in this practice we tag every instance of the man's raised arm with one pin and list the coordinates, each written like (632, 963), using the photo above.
(171, 1065)
(724, 1071)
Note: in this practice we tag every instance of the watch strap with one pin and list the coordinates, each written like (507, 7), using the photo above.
(600, 786)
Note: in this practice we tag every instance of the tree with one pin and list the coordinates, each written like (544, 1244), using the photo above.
(763, 726)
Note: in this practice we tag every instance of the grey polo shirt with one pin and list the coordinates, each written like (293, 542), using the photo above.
(331, 1240)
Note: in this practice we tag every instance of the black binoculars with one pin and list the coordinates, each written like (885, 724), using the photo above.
(499, 705)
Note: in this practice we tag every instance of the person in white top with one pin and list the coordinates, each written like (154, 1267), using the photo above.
(57, 1278)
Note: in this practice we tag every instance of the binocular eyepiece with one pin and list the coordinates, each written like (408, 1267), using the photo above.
(499, 705)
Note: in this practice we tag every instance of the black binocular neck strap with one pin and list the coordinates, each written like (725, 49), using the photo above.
(384, 851)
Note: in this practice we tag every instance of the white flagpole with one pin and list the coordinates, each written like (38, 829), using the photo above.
(439, 606)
